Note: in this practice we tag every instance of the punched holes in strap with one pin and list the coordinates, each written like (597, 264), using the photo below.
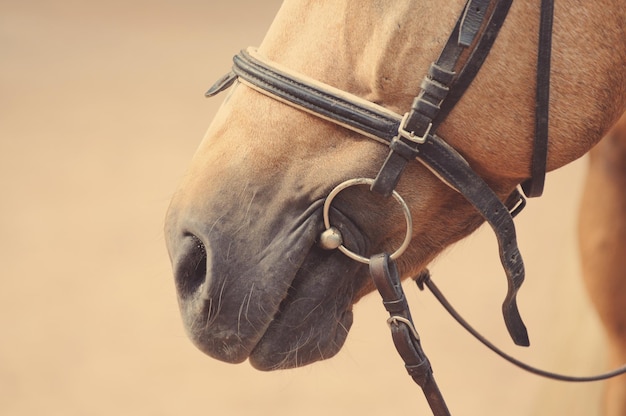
(455, 170)
(473, 17)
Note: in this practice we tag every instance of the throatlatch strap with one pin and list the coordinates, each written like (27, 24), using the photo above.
(533, 187)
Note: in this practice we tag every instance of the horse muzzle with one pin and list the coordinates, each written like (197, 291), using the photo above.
(264, 289)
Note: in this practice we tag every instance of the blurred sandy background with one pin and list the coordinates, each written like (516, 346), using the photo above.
(101, 108)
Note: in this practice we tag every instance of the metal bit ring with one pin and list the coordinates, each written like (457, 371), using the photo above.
(397, 197)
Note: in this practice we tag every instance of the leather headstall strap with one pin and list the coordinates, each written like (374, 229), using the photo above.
(405, 337)
(417, 140)
(383, 125)
(443, 86)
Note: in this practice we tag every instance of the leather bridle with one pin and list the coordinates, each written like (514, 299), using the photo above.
(413, 137)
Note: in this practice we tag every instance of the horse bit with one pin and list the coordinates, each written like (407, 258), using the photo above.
(413, 137)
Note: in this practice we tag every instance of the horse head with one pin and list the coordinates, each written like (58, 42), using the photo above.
(243, 229)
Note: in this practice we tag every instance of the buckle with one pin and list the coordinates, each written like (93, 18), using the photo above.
(410, 135)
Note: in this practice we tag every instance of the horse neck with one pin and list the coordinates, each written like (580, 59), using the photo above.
(380, 50)
(369, 48)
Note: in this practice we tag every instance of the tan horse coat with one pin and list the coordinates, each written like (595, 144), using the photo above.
(264, 159)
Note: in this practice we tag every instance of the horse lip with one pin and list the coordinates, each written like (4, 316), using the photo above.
(200, 302)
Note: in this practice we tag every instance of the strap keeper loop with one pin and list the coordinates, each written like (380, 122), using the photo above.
(396, 306)
(441, 74)
(420, 372)
(406, 151)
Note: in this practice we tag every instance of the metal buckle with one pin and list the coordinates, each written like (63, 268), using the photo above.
(395, 320)
(517, 206)
(410, 135)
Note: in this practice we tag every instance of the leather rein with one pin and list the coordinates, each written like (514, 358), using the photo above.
(413, 137)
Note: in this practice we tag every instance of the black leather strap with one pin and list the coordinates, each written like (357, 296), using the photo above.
(446, 83)
(533, 187)
(221, 84)
(477, 57)
(454, 170)
(316, 98)
(424, 280)
(471, 20)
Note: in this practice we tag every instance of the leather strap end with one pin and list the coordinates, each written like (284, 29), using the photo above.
(533, 187)
(473, 17)
(221, 84)
(514, 323)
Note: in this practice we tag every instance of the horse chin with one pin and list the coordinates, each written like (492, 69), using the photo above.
(291, 306)
(314, 318)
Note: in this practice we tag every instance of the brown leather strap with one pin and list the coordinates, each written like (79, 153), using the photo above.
(405, 338)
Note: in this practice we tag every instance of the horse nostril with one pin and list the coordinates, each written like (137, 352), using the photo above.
(190, 271)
